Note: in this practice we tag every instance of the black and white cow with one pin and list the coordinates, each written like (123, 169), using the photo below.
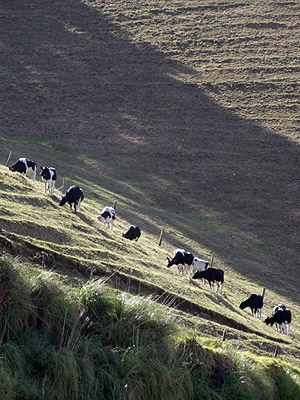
(211, 275)
(199, 265)
(283, 318)
(183, 260)
(133, 233)
(255, 302)
(74, 195)
(274, 310)
(48, 175)
(24, 166)
(107, 216)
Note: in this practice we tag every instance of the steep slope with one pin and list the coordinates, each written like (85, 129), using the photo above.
(77, 246)
(186, 114)
(190, 106)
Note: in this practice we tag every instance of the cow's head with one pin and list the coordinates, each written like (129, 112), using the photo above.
(19, 166)
(101, 219)
(269, 320)
(63, 200)
(44, 171)
(198, 275)
(242, 305)
(168, 261)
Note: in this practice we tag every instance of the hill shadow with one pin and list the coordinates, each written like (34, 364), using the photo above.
(72, 74)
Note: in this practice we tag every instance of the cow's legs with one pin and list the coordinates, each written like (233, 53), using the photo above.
(51, 186)
(221, 291)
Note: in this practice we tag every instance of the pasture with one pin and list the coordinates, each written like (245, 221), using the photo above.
(78, 246)
(184, 114)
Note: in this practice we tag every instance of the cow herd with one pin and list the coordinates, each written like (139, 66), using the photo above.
(196, 268)
(74, 195)
(186, 263)
(281, 316)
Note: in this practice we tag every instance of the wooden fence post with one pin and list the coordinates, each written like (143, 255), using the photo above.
(263, 293)
(63, 184)
(161, 236)
(115, 205)
(8, 158)
(211, 260)
(224, 335)
(276, 351)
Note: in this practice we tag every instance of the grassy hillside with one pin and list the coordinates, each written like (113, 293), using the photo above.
(186, 114)
(59, 342)
(78, 247)
(183, 106)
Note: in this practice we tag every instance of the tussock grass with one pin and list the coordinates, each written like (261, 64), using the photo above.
(95, 343)
(15, 304)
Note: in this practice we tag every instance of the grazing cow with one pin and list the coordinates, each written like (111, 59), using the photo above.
(275, 309)
(74, 196)
(24, 166)
(183, 260)
(283, 318)
(107, 216)
(255, 302)
(48, 175)
(211, 275)
(133, 233)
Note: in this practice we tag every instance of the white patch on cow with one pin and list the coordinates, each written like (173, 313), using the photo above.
(29, 171)
(51, 182)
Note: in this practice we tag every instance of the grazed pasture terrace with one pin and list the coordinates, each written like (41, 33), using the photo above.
(187, 114)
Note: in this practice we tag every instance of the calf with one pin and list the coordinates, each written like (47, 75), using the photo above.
(107, 216)
(133, 233)
(48, 175)
(255, 302)
(74, 196)
(283, 318)
(24, 166)
(211, 275)
(183, 260)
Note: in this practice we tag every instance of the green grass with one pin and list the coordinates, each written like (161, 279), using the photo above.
(94, 342)
(69, 243)
(129, 93)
